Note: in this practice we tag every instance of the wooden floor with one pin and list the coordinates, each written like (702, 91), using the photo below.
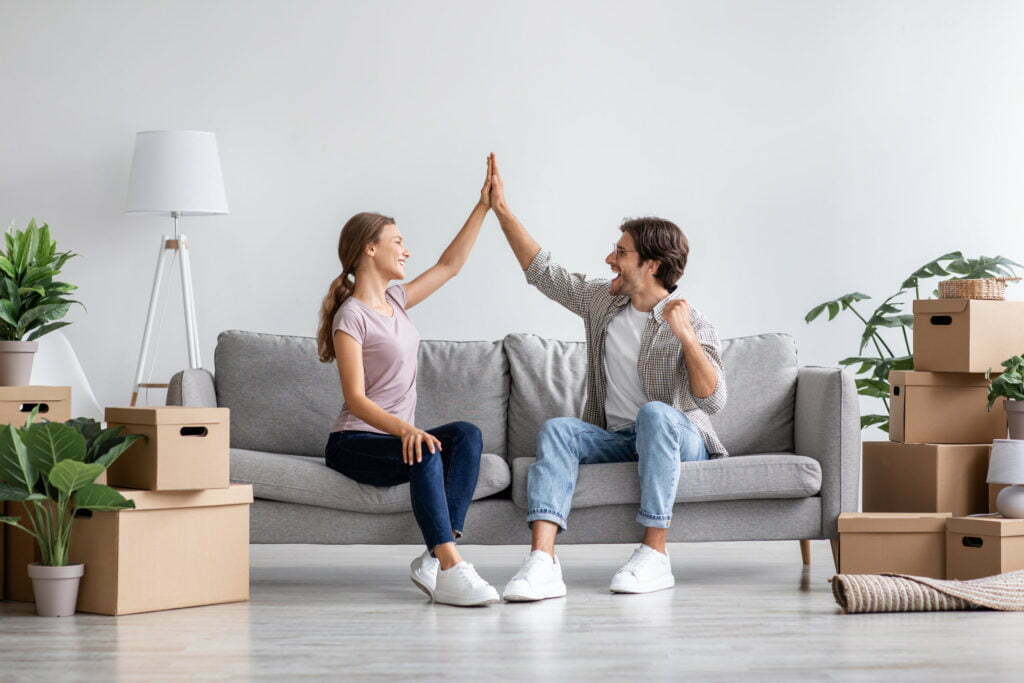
(739, 609)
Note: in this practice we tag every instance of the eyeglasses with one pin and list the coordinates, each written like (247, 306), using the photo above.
(620, 252)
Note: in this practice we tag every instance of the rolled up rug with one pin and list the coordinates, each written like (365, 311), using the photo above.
(861, 593)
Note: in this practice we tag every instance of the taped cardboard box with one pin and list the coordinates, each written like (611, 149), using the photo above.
(993, 493)
(175, 549)
(915, 477)
(16, 403)
(983, 546)
(966, 335)
(943, 407)
(900, 543)
(185, 449)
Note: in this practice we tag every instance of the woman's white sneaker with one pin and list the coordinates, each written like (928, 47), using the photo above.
(539, 578)
(645, 572)
(423, 572)
(461, 586)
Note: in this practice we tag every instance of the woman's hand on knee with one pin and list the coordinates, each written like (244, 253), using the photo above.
(413, 442)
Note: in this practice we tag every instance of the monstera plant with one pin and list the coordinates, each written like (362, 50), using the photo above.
(873, 370)
(49, 469)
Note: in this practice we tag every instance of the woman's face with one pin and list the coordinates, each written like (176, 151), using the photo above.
(389, 254)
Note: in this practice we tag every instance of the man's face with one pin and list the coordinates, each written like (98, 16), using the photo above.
(625, 263)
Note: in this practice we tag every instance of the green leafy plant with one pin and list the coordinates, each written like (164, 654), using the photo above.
(873, 370)
(1009, 384)
(32, 301)
(51, 468)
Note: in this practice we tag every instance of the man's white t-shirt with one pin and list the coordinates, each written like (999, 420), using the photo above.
(621, 353)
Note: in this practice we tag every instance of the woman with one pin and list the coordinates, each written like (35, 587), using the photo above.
(365, 328)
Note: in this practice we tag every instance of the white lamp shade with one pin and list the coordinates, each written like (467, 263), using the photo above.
(1006, 465)
(176, 171)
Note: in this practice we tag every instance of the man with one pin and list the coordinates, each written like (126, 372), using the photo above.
(654, 374)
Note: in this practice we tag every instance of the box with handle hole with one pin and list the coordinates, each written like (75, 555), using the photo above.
(185, 448)
(983, 546)
(17, 403)
(966, 335)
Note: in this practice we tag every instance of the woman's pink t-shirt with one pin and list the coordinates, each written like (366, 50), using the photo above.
(390, 346)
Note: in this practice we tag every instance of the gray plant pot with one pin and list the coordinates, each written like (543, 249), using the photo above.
(55, 588)
(16, 362)
(1015, 418)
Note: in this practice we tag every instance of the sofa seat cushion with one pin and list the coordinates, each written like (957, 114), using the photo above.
(769, 475)
(307, 480)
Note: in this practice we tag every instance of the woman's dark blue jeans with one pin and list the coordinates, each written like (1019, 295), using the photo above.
(441, 485)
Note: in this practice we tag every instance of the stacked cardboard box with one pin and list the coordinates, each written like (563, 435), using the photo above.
(16, 404)
(941, 432)
(186, 542)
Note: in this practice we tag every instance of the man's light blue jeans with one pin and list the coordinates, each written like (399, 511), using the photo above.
(661, 438)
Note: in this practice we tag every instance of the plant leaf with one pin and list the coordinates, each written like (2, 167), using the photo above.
(116, 448)
(15, 466)
(49, 443)
(70, 475)
(13, 493)
(50, 327)
(99, 497)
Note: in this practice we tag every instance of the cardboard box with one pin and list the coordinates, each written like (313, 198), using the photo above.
(966, 335)
(17, 402)
(917, 477)
(3, 540)
(993, 493)
(983, 546)
(185, 449)
(934, 407)
(175, 549)
(20, 550)
(896, 543)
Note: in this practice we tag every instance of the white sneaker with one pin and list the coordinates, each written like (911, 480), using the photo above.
(460, 585)
(645, 572)
(539, 578)
(423, 572)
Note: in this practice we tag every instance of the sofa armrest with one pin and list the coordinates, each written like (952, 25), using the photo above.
(828, 429)
(192, 388)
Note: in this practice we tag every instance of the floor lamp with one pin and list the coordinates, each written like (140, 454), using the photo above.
(174, 173)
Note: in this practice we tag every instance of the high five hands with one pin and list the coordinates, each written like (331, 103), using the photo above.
(492, 194)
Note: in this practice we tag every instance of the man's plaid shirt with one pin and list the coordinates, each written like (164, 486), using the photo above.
(661, 366)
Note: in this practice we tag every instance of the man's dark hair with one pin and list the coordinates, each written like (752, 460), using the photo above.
(660, 240)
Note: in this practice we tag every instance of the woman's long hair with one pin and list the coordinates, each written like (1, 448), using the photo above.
(360, 230)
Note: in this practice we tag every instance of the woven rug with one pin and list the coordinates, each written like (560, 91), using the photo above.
(859, 593)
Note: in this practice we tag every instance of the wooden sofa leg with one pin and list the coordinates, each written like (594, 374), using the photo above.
(805, 550)
(835, 552)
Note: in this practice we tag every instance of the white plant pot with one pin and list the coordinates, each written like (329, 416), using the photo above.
(16, 362)
(55, 588)
(1015, 418)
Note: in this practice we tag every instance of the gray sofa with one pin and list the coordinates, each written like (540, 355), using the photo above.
(793, 432)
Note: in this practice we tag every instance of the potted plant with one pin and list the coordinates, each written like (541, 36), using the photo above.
(1010, 385)
(873, 371)
(50, 469)
(32, 302)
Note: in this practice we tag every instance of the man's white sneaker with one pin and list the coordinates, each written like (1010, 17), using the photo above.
(539, 578)
(423, 572)
(460, 585)
(645, 572)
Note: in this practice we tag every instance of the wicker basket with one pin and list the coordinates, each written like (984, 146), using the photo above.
(984, 288)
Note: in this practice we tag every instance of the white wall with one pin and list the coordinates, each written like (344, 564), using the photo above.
(808, 148)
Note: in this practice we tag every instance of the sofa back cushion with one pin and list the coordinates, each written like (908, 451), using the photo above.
(284, 400)
(760, 371)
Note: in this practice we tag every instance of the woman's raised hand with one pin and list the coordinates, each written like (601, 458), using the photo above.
(485, 191)
(413, 441)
